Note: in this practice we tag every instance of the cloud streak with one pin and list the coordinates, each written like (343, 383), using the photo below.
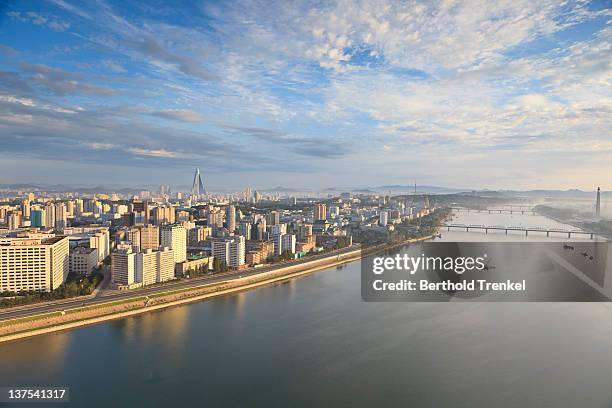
(315, 87)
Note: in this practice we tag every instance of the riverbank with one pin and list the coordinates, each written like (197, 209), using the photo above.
(35, 325)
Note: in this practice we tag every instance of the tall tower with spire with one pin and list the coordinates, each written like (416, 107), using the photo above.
(598, 203)
(197, 187)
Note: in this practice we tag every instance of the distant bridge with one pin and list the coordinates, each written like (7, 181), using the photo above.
(527, 230)
(511, 210)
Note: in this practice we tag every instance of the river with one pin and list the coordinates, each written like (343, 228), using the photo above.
(312, 341)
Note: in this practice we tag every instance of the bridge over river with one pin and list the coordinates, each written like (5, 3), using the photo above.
(508, 210)
(527, 230)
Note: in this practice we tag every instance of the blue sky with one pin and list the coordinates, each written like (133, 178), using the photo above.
(505, 94)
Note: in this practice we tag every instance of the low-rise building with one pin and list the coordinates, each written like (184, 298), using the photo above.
(305, 246)
(265, 249)
(203, 263)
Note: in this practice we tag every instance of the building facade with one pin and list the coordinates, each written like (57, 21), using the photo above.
(175, 238)
(320, 212)
(29, 264)
(230, 250)
(83, 260)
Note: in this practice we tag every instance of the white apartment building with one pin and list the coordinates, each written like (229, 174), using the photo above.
(30, 264)
(134, 269)
(230, 250)
(283, 243)
(175, 238)
(289, 241)
(123, 266)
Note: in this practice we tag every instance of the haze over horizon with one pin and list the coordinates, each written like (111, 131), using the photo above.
(308, 95)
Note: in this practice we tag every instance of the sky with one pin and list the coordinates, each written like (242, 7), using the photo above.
(511, 94)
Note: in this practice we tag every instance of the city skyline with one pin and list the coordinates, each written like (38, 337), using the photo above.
(310, 95)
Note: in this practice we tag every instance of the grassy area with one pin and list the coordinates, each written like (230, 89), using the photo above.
(103, 305)
(29, 318)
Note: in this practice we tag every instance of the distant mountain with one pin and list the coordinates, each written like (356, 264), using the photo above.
(554, 193)
(383, 189)
(420, 189)
(395, 188)
(281, 189)
(62, 188)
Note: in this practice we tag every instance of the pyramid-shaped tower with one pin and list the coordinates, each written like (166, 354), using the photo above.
(197, 187)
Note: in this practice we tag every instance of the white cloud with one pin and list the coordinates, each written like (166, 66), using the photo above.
(153, 152)
(457, 78)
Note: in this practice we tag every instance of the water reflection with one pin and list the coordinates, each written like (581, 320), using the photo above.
(313, 342)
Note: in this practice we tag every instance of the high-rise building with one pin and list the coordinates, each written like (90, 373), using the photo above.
(230, 218)
(154, 266)
(304, 232)
(289, 243)
(50, 215)
(25, 208)
(273, 218)
(37, 217)
(97, 207)
(28, 264)
(61, 216)
(197, 187)
(123, 266)
(14, 220)
(165, 265)
(598, 203)
(230, 250)
(149, 237)
(283, 243)
(70, 208)
(320, 212)
(383, 218)
(175, 238)
(277, 229)
(145, 266)
(78, 206)
(141, 212)
(164, 215)
(100, 239)
(215, 218)
(258, 231)
(132, 235)
(196, 236)
(132, 269)
(244, 229)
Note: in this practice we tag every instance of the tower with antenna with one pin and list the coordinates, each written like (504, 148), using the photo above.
(598, 203)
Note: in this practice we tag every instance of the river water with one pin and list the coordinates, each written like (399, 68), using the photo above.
(312, 341)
